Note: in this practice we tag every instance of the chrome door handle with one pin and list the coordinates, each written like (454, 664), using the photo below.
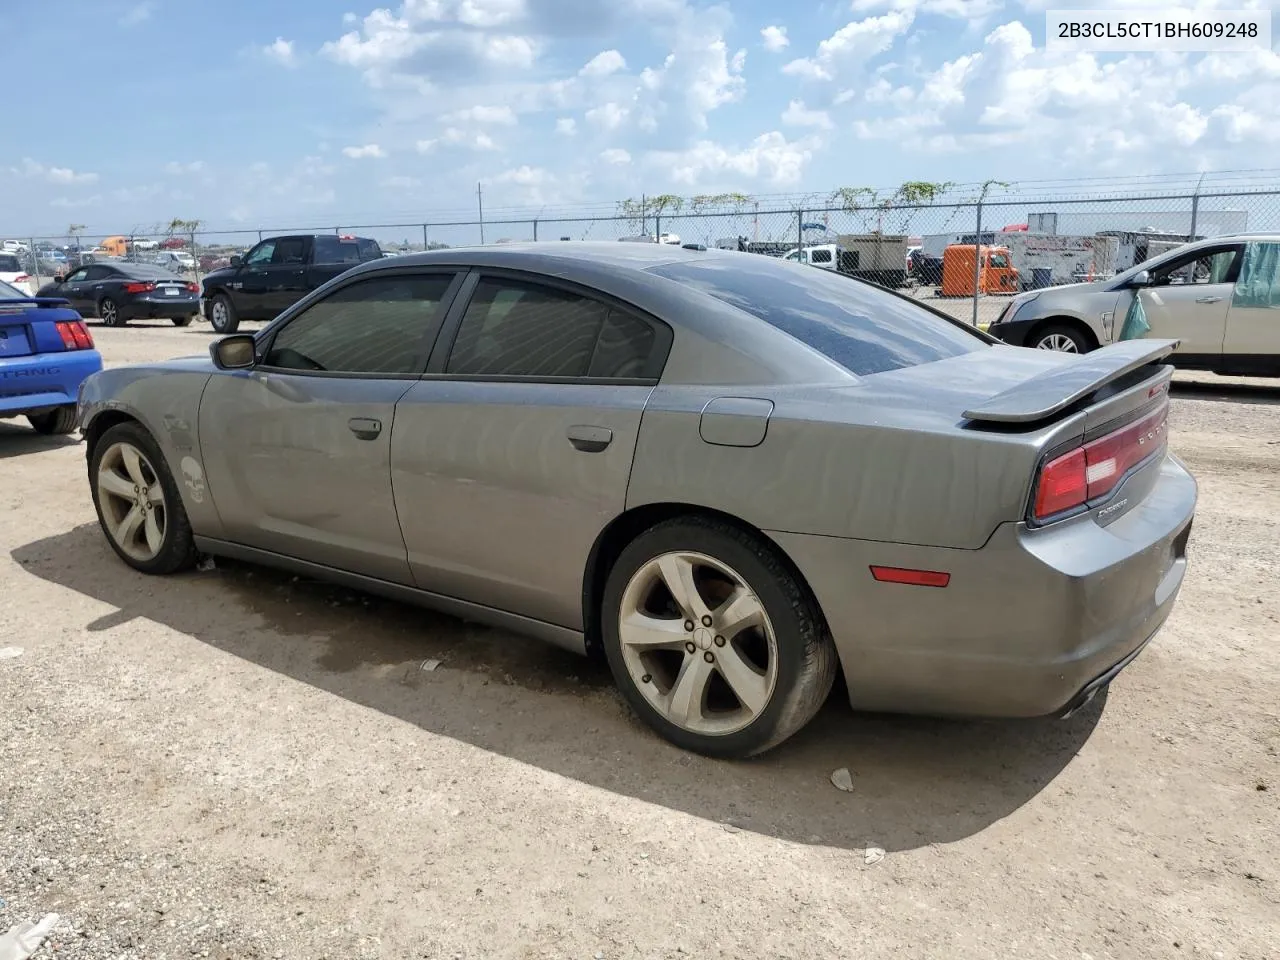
(365, 428)
(590, 439)
(1209, 300)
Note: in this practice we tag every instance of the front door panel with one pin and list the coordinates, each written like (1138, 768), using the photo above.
(300, 465)
(1195, 313)
(503, 487)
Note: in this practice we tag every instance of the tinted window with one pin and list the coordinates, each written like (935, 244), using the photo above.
(290, 250)
(10, 264)
(262, 253)
(513, 328)
(369, 249)
(1204, 266)
(863, 329)
(100, 273)
(333, 250)
(374, 326)
(820, 256)
(138, 271)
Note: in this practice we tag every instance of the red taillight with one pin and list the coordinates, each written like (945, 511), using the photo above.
(915, 578)
(75, 335)
(22, 278)
(1093, 470)
(139, 287)
(193, 288)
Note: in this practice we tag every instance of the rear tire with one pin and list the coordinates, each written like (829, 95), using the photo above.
(222, 314)
(785, 644)
(1060, 337)
(109, 313)
(176, 549)
(182, 321)
(62, 420)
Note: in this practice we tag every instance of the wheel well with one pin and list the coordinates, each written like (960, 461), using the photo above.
(101, 424)
(625, 528)
(1073, 323)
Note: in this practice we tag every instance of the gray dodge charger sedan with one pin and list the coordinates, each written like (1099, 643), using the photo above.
(730, 476)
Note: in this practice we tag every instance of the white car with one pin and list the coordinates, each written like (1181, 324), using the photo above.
(12, 273)
(14, 246)
(176, 260)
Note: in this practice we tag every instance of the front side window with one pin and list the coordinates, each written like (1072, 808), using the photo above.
(79, 276)
(998, 261)
(1204, 266)
(821, 256)
(518, 329)
(375, 326)
(262, 253)
(862, 328)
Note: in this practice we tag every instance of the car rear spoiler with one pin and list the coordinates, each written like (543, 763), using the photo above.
(38, 301)
(1054, 390)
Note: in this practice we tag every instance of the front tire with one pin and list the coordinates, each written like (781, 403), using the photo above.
(1061, 338)
(59, 421)
(713, 641)
(222, 314)
(138, 503)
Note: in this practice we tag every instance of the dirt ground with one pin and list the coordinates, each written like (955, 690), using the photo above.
(240, 764)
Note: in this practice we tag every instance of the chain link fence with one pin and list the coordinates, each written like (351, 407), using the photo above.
(926, 250)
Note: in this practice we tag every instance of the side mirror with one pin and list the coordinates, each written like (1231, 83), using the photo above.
(1140, 279)
(235, 352)
(236, 260)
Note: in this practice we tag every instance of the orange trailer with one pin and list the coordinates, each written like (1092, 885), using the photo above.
(998, 274)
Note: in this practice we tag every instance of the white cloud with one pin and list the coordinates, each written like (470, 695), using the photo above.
(603, 64)
(502, 115)
(525, 176)
(281, 51)
(851, 46)
(960, 9)
(472, 140)
(608, 116)
(770, 158)
(566, 126)
(368, 151)
(426, 146)
(615, 156)
(138, 13)
(72, 203)
(59, 175)
(775, 38)
(798, 115)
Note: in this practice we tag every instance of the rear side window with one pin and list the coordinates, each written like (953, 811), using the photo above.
(369, 249)
(332, 250)
(863, 329)
(518, 329)
(374, 326)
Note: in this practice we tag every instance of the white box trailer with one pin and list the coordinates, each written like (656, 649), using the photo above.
(1050, 260)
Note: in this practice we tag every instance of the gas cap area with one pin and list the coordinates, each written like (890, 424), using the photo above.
(735, 421)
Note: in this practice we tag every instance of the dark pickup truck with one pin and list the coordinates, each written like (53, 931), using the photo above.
(277, 273)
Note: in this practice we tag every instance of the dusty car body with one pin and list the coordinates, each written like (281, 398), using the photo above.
(846, 479)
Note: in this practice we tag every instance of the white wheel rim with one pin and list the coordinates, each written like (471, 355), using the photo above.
(697, 643)
(1058, 341)
(219, 314)
(131, 499)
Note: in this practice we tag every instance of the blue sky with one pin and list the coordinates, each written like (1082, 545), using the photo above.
(300, 112)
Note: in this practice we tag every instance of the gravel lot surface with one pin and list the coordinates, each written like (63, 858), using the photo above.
(240, 764)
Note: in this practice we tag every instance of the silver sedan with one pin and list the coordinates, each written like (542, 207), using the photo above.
(730, 476)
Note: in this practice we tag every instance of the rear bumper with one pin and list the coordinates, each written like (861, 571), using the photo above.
(1032, 624)
(34, 384)
(160, 308)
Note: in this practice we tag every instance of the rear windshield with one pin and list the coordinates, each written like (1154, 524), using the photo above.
(862, 328)
(144, 271)
(9, 263)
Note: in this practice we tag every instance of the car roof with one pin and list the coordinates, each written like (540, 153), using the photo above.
(549, 254)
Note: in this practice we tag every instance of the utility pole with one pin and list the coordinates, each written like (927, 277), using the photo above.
(480, 206)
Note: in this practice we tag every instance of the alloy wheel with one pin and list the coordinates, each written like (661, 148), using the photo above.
(697, 643)
(1058, 341)
(218, 315)
(107, 310)
(131, 498)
